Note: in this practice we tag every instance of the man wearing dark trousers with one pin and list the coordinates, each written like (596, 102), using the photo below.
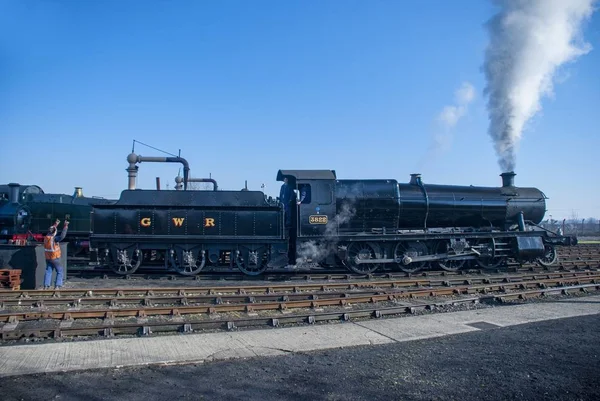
(286, 193)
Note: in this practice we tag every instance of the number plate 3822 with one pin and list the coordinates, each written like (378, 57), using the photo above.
(317, 219)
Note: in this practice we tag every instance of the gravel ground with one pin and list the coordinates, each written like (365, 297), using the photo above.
(552, 360)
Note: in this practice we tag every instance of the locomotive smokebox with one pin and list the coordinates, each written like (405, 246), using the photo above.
(508, 179)
(13, 193)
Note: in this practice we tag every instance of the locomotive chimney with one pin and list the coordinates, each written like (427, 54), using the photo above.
(415, 179)
(158, 183)
(13, 193)
(78, 192)
(508, 179)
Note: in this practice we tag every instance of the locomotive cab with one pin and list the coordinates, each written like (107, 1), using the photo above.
(314, 206)
(313, 210)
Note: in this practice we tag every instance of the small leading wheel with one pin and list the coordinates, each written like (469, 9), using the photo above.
(450, 265)
(125, 261)
(187, 262)
(550, 256)
(251, 262)
(410, 249)
(358, 252)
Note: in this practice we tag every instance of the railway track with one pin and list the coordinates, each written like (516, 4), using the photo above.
(84, 312)
(580, 256)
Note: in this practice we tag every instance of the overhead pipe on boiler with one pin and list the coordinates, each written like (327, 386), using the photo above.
(133, 159)
(178, 181)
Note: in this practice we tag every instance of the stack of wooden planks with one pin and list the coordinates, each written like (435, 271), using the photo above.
(10, 279)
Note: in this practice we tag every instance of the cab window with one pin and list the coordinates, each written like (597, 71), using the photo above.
(304, 193)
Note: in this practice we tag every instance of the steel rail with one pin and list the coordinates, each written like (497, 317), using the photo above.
(273, 288)
(186, 299)
(342, 299)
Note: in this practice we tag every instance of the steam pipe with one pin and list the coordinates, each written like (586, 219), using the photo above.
(415, 179)
(521, 221)
(132, 159)
(179, 179)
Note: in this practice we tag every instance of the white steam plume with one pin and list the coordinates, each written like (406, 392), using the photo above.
(450, 115)
(529, 40)
(441, 139)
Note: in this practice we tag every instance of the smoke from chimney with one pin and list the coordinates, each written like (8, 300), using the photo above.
(529, 40)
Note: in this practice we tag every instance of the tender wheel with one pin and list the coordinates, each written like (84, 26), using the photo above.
(550, 256)
(410, 249)
(251, 262)
(125, 261)
(187, 262)
(357, 252)
(450, 265)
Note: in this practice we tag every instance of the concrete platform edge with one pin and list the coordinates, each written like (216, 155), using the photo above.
(207, 347)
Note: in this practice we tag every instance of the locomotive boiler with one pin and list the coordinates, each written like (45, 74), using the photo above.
(414, 205)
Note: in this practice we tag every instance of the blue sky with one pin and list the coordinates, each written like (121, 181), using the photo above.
(245, 88)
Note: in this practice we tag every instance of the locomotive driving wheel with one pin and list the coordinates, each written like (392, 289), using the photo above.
(251, 261)
(187, 262)
(125, 261)
(358, 252)
(450, 265)
(550, 256)
(488, 259)
(410, 249)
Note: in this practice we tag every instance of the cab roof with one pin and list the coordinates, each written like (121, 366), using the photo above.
(306, 174)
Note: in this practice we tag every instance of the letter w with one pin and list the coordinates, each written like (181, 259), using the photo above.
(178, 221)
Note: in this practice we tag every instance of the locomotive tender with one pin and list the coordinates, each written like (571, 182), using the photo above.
(364, 224)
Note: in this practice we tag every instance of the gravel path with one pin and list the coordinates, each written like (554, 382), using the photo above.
(551, 360)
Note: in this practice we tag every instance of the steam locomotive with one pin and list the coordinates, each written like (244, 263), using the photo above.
(26, 212)
(364, 225)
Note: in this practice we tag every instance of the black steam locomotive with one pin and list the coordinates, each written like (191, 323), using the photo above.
(26, 212)
(364, 225)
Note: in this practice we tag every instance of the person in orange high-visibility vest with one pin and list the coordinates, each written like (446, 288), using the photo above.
(52, 253)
